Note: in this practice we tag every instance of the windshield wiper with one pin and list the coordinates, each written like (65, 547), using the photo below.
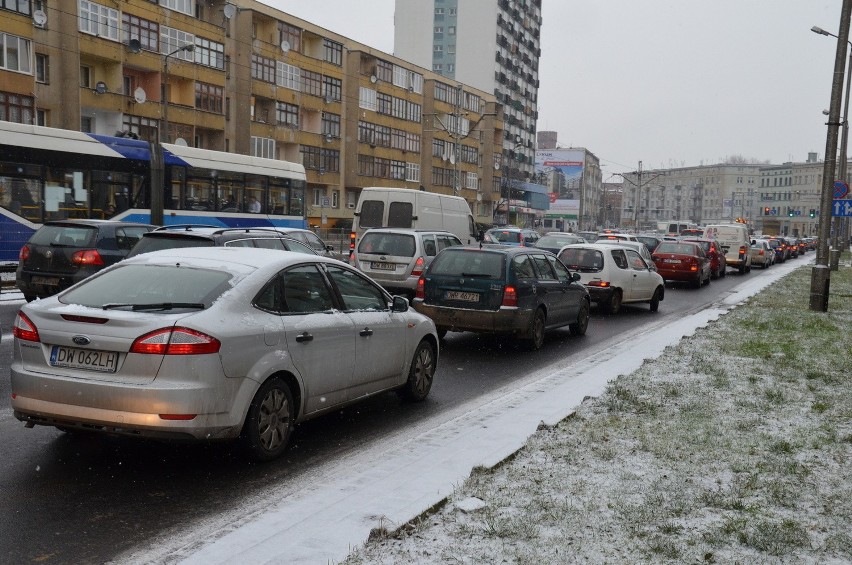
(155, 306)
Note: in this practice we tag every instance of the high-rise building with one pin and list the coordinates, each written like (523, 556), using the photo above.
(492, 45)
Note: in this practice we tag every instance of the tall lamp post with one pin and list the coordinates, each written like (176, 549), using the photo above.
(158, 172)
(820, 276)
(834, 255)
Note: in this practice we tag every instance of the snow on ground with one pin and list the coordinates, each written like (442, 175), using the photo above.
(732, 446)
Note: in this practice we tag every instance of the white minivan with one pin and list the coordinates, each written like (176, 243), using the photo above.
(380, 207)
(735, 243)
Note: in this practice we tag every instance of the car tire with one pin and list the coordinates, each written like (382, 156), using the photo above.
(724, 272)
(655, 300)
(420, 375)
(535, 335)
(270, 421)
(707, 280)
(582, 324)
(742, 269)
(30, 297)
(614, 304)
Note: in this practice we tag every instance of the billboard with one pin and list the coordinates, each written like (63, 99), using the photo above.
(561, 170)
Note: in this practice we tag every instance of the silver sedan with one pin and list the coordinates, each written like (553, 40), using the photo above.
(216, 343)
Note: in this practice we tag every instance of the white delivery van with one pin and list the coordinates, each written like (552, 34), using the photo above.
(380, 207)
(735, 243)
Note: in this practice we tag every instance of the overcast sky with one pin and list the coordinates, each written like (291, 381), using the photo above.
(668, 82)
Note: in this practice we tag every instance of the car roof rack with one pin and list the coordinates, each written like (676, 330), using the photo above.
(186, 227)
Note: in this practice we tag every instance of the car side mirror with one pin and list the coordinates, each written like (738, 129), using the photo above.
(575, 277)
(400, 304)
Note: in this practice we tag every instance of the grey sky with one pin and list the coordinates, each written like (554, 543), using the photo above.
(668, 82)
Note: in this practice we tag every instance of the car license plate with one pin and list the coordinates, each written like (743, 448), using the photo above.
(383, 266)
(675, 261)
(103, 361)
(463, 296)
(47, 281)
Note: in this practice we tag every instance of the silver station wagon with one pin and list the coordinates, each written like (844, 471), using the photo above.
(216, 343)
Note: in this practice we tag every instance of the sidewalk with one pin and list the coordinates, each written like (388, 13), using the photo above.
(379, 491)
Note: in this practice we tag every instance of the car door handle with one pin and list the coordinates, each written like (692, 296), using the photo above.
(304, 337)
(365, 332)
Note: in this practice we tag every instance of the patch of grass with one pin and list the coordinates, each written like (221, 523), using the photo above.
(775, 537)
(820, 407)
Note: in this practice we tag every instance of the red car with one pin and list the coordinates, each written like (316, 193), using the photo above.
(718, 263)
(683, 261)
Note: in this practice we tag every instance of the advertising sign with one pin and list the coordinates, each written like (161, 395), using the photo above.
(562, 170)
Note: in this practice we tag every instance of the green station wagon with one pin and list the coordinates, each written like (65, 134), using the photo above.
(520, 291)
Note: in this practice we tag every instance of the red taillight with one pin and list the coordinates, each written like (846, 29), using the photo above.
(177, 416)
(175, 341)
(510, 296)
(760, 252)
(743, 250)
(600, 284)
(421, 289)
(24, 328)
(84, 319)
(24, 253)
(87, 257)
(418, 267)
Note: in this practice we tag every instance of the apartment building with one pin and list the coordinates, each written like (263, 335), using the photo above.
(243, 77)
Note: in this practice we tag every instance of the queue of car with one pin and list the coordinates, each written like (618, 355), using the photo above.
(205, 333)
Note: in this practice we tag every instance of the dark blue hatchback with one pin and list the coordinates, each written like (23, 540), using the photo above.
(497, 289)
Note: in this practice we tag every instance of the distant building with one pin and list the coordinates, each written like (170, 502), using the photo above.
(546, 140)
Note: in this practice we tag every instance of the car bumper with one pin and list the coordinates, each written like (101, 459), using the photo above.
(27, 282)
(504, 320)
(683, 276)
(599, 295)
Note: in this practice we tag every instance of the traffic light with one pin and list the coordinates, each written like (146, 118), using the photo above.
(790, 213)
(766, 211)
(812, 213)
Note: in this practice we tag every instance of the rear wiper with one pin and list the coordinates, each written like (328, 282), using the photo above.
(156, 306)
(472, 275)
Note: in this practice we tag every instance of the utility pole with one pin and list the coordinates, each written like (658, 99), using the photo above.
(638, 196)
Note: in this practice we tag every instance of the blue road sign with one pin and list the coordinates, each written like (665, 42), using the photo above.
(841, 189)
(841, 208)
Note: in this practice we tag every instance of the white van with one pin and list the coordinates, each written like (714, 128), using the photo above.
(735, 243)
(380, 207)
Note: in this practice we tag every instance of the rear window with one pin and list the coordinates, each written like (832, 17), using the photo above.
(583, 260)
(156, 243)
(505, 236)
(150, 284)
(400, 214)
(677, 248)
(557, 241)
(69, 236)
(380, 243)
(469, 263)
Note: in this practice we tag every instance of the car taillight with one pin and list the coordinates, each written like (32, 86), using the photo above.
(87, 257)
(760, 252)
(175, 341)
(743, 250)
(421, 289)
(24, 253)
(24, 328)
(510, 296)
(600, 284)
(418, 267)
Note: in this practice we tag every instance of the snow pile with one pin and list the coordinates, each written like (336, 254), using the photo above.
(733, 446)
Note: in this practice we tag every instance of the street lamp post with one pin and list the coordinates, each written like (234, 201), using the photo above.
(158, 172)
(834, 255)
(820, 276)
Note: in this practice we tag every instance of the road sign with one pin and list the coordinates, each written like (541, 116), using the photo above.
(325, 202)
(841, 208)
(841, 189)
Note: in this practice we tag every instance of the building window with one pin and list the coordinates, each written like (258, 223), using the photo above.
(172, 39)
(184, 6)
(42, 68)
(333, 52)
(15, 53)
(412, 172)
(22, 6)
(439, 11)
(319, 194)
(310, 157)
(292, 35)
(85, 76)
(287, 114)
(438, 49)
(209, 53)
(17, 108)
(263, 147)
(335, 199)
(146, 31)
(87, 124)
(144, 128)
(41, 117)
(471, 181)
(437, 67)
(332, 87)
(329, 161)
(289, 76)
(384, 71)
(311, 83)
(330, 124)
(385, 103)
(367, 98)
(451, 30)
(209, 97)
(262, 68)
(98, 20)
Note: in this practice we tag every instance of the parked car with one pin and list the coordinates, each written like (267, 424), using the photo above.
(512, 236)
(692, 232)
(718, 262)
(616, 236)
(497, 289)
(735, 242)
(64, 252)
(793, 246)
(762, 254)
(683, 261)
(614, 275)
(395, 258)
(141, 349)
(554, 241)
(313, 241)
(195, 236)
(589, 236)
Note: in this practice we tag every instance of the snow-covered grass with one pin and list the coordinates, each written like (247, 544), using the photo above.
(733, 446)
